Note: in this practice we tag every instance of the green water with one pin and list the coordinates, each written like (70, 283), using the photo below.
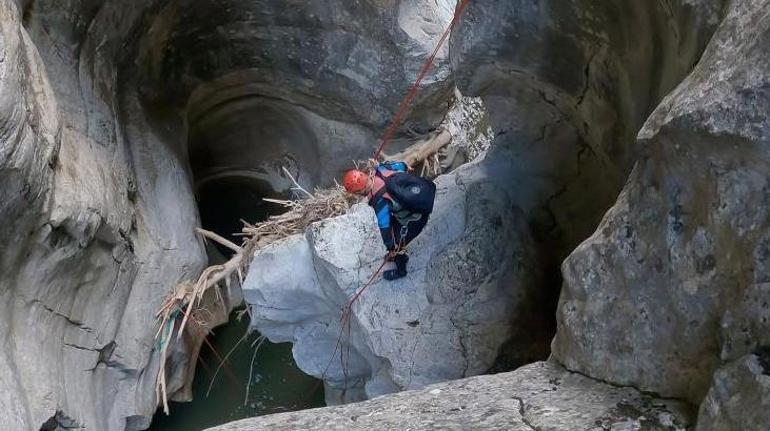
(276, 385)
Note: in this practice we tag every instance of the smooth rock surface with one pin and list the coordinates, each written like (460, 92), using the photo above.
(674, 280)
(541, 396)
(96, 232)
(108, 125)
(568, 84)
(305, 85)
(472, 276)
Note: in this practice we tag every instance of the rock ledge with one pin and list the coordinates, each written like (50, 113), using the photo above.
(540, 396)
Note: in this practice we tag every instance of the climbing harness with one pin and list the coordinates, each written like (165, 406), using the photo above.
(403, 233)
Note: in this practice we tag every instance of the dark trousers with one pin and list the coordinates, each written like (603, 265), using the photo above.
(404, 234)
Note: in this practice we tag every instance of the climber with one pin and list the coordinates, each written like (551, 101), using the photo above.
(402, 202)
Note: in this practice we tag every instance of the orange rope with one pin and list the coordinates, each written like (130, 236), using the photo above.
(413, 90)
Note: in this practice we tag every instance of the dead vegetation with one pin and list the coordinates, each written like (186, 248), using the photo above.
(300, 214)
(184, 302)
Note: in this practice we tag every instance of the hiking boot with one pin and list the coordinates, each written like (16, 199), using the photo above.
(401, 260)
(393, 274)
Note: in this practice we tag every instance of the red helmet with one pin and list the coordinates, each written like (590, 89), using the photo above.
(355, 181)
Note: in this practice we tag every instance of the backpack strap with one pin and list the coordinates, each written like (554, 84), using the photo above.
(377, 196)
(380, 193)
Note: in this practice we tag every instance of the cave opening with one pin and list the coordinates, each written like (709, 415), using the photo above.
(242, 136)
(239, 153)
(226, 202)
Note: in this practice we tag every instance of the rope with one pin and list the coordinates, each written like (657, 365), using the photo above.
(345, 329)
(386, 137)
(413, 89)
(347, 312)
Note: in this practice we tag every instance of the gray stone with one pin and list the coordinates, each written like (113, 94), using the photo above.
(311, 84)
(568, 84)
(98, 179)
(115, 113)
(673, 282)
(739, 398)
(541, 396)
(472, 274)
(84, 267)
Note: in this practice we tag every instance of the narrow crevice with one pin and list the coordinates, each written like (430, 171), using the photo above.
(66, 318)
(649, 394)
(523, 414)
(763, 356)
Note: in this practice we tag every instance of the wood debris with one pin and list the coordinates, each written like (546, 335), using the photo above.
(184, 302)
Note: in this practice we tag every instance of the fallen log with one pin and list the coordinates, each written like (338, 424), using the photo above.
(421, 151)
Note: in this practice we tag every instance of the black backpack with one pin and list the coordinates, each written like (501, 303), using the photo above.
(412, 192)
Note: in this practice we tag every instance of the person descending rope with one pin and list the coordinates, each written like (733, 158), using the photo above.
(402, 202)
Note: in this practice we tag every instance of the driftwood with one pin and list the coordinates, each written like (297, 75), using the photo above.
(421, 151)
(183, 303)
(186, 297)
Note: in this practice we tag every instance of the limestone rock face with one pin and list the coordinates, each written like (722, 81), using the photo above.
(568, 84)
(110, 126)
(115, 116)
(541, 396)
(310, 84)
(738, 399)
(93, 237)
(674, 281)
(472, 275)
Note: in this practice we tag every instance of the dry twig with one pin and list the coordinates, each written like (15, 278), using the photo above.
(260, 340)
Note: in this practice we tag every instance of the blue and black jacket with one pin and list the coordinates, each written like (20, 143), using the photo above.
(384, 205)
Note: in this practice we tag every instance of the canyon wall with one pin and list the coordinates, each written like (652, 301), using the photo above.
(115, 114)
(124, 124)
(672, 285)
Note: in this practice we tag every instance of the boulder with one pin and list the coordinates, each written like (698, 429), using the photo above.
(472, 276)
(674, 280)
(739, 398)
(540, 396)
